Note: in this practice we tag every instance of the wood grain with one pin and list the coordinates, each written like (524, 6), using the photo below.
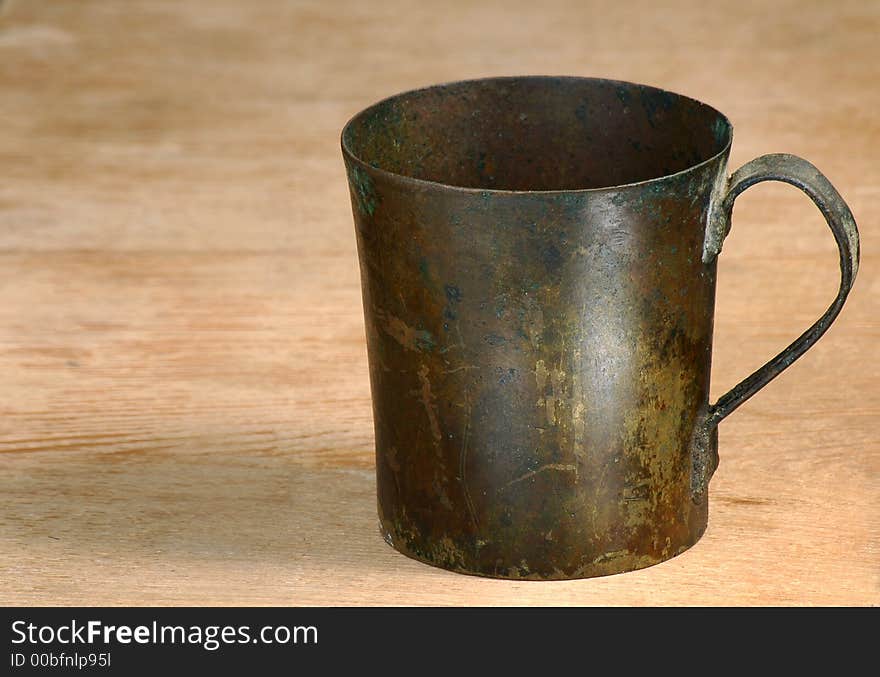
(184, 398)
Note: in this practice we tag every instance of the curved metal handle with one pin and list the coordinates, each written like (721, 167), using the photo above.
(798, 172)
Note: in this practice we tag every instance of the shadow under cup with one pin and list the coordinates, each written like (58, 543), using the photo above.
(539, 320)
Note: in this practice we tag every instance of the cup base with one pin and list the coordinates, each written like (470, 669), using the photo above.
(605, 565)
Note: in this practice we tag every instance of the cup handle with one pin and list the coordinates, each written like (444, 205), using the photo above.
(798, 172)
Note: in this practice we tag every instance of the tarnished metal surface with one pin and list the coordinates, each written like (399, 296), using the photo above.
(539, 320)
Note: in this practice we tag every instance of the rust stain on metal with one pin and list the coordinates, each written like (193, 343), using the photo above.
(564, 467)
(412, 339)
(429, 403)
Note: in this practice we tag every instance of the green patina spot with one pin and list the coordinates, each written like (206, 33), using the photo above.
(453, 293)
(364, 191)
(720, 130)
(425, 272)
(424, 340)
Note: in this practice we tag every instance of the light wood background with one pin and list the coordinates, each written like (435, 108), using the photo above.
(184, 403)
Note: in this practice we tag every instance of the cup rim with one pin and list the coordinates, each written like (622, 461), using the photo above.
(349, 154)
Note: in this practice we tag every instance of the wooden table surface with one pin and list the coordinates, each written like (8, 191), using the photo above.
(184, 406)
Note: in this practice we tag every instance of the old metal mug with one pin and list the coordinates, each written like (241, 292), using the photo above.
(538, 260)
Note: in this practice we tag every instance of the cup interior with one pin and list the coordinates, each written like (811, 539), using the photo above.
(536, 134)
